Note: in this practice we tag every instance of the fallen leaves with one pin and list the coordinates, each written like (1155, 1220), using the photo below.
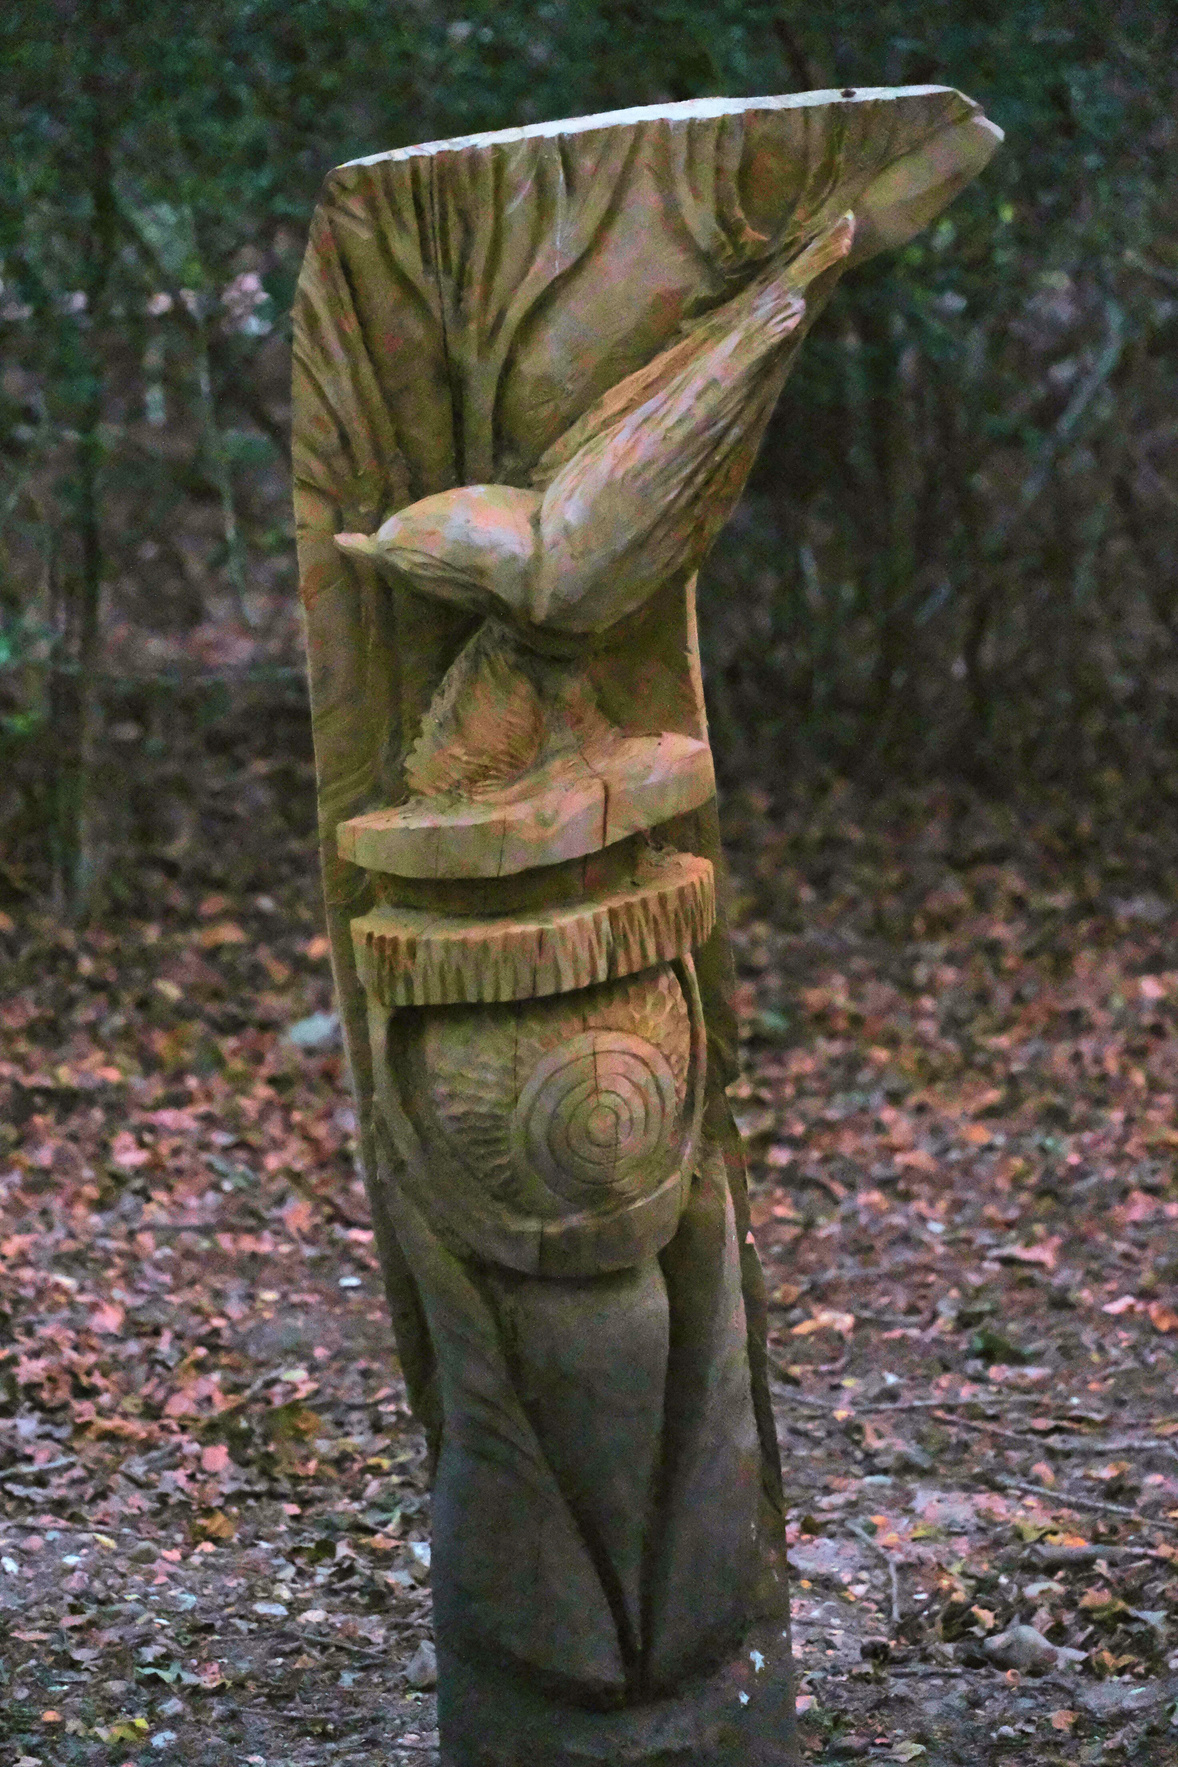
(1160, 1314)
(961, 1157)
(965, 1146)
(220, 934)
(164, 1206)
(1044, 1253)
(825, 1320)
(214, 1526)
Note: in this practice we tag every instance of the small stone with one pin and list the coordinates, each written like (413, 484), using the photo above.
(318, 1031)
(421, 1671)
(143, 1554)
(904, 1457)
(272, 1609)
(1116, 1698)
(1024, 1648)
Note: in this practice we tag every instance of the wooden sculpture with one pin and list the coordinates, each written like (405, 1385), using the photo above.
(532, 370)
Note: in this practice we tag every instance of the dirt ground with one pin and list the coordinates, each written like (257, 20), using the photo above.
(959, 1092)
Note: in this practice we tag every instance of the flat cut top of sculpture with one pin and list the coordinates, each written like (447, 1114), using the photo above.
(890, 210)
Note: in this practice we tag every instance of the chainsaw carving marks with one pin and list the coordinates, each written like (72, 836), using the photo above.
(598, 1117)
(532, 371)
(415, 957)
(554, 1135)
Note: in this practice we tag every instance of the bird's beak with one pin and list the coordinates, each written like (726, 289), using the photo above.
(358, 545)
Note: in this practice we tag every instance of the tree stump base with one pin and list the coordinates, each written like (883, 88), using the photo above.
(491, 1718)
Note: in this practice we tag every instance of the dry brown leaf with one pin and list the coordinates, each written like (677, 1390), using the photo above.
(222, 932)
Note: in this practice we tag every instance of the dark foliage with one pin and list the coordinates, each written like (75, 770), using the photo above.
(957, 551)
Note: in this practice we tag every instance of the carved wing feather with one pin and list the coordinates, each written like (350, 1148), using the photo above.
(653, 471)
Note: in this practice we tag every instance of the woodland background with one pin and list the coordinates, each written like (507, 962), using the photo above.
(957, 555)
(940, 662)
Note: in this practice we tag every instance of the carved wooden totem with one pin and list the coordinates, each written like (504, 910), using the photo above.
(532, 370)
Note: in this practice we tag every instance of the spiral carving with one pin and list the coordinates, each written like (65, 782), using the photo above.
(598, 1115)
(557, 1136)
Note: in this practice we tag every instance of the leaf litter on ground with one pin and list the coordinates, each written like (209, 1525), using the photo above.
(960, 1072)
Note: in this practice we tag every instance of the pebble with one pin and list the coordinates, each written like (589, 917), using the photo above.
(421, 1671)
(1024, 1648)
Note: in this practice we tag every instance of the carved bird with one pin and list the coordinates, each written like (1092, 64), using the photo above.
(635, 491)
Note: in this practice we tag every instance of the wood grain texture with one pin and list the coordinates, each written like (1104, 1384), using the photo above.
(574, 1102)
(457, 1089)
(637, 489)
(577, 803)
(412, 957)
(544, 886)
(463, 305)
(531, 373)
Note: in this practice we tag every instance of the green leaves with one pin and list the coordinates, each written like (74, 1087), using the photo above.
(994, 1347)
(872, 602)
(167, 232)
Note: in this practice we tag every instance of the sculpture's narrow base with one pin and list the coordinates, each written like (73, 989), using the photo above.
(488, 1718)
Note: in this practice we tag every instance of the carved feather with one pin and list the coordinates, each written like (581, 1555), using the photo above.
(484, 726)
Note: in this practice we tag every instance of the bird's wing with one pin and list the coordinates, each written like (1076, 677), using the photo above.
(783, 273)
(650, 475)
(637, 488)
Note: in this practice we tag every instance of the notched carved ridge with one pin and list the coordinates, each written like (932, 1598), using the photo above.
(409, 957)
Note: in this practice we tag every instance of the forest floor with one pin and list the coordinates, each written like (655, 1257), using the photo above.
(961, 1066)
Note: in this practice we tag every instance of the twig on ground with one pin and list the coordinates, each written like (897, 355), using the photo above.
(1065, 1500)
(888, 1559)
(897, 1405)
(1086, 1446)
(359, 1650)
(912, 1322)
(1063, 1557)
(813, 1181)
(28, 1471)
